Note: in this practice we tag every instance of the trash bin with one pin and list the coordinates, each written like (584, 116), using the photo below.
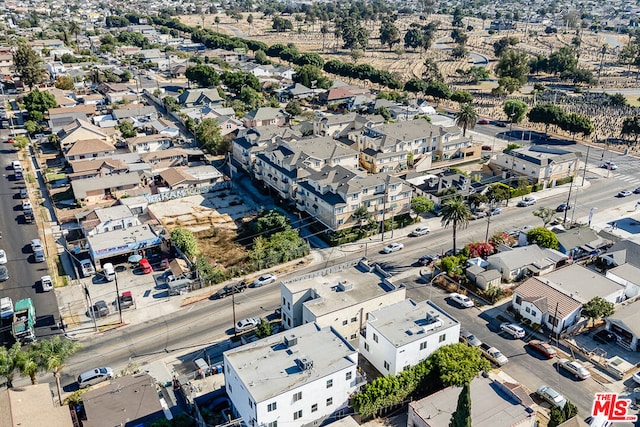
(218, 369)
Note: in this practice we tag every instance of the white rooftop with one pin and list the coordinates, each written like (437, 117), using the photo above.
(125, 236)
(113, 213)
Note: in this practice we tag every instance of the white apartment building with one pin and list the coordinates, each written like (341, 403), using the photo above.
(338, 297)
(405, 333)
(293, 378)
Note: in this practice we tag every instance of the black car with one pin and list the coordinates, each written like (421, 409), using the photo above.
(426, 259)
(604, 337)
(231, 289)
(501, 124)
(563, 207)
(99, 309)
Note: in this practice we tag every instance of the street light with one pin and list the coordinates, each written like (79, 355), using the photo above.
(493, 206)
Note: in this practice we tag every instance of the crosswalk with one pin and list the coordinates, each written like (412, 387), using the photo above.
(633, 180)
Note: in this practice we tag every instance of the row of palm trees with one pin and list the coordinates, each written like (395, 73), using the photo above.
(47, 355)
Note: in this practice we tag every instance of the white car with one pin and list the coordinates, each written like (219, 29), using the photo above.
(246, 324)
(6, 308)
(36, 245)
(3, 256)
(47, 283)
(609, 165)
(636, 377)
(514, 330)
(551, 396)
(462, 300)
(393, 247)
(264, 280)
(420, 231)
(574, 368)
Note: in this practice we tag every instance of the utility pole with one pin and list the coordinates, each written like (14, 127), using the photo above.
(564, 221)
(118, 298)
(91, 310)
(233, 308)
(384, 203)
(584, 171)
(493, 205)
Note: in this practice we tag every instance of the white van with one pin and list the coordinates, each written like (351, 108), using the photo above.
(94, 376)
(16, 165)
(39, 256)
(109, 272)
(87, 268)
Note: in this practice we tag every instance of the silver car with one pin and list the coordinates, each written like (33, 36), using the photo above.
(247, 324)
(574, 368)
(551, 396)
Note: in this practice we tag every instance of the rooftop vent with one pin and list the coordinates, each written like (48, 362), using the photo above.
(290, 340)
(345, 285)
(304, 363)
(433, 322)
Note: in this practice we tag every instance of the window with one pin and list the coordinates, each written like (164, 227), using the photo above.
(272, 406)
(366, 346)
(314, 407)
(533, 313)
(354, 336)
(297, 414)
(344, 322)
(354, 319)
(230, 388)
(329, 401)
(348, 376)
(528, 310)
(423, 345)
(284, 302)
(442, 338)
(518, 300)
(386, 365)
(273, 424)
(297, 396)
(250, 403)
(329, 383)
(375, 337)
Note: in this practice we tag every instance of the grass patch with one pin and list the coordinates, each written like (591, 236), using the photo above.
(633, 100)
(65, 195)
(219, 246)
(55, 176)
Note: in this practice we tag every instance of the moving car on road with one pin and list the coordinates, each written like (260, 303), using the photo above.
(543, 348)
(624, 193)
(393, 247)
(609, 165)
(420, 231)
(427, 259)
(527, 201)
(512, 329)
(563, 207)
(230, 290)
(462, 300)
(264, 280)
(247, 324)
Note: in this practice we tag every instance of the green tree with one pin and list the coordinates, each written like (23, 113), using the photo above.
(356, 55)
(548, 114)
(9, 363)
(462, 415)
(503, 44)
(264, 329)
(21, 142)
(457, 364)
(515, 109)
(28, 64)
(474, 74)
(455, 213)
(466, 118)
(545, 214)
(421, 205)
(185, 240)
(64, 83)
(413, 38)
(307, 74)
(281, 24)
(29, 364)
(513, 64)
(631, 126)
(462, 97)
(261, 57)
(543, 237)
(560, 415)
(563, 59)
(126, 129)
(30, 126)
(272, 222)
(293, 108)
(437, 90)
(53, 353)
(389, 34)
(431, 71)
(597, 308)
(203, 75)
(37, 100)
(498, 192)
(208, 135)
(75, 29)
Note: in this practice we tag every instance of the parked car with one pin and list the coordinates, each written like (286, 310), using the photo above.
(563, 207)
(247, 324)
(6, 308)
(24, 193)
(604, 337)
(145, 266)
(462, 300)
(47, 283)
(393, 247)
(36, 245)
(609, 165)
(469, 338)
(550, 395)
(637, 190)
(4, 273)
(99, 309)
(231, 289)
(635, 377)
(420, 231)
(427, 259)
(574, 368)
(527, 201)
(38, 256)
(512, 329)
(264, 280)
(478, 215)
(3, 256)
(486, 148)
(94, 376)
(543, 348)
(624, 193)
(496, 211)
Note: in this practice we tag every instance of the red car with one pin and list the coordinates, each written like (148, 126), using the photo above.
(483, 122)
(543, 348)
(145, 266)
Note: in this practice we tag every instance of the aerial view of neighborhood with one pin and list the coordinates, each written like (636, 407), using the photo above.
(267, 213)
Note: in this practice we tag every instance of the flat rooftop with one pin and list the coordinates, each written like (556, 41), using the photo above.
(268, 367)
(103, 241)
(582, 282)
(407, 321)
(363, 286)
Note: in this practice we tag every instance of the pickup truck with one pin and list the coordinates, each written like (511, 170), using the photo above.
(493, 354)
(231, 289)
(126, 299)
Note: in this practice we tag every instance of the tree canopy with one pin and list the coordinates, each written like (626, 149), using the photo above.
(203, 75)
(185, 240)
(28, 64)
(597, 308)
(543, 237)
(208, 135)
(421, 204)
(39, 101)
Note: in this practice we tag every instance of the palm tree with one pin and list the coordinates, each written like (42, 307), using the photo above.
(455, 213)
(9, 362)
(466, 118)
(52, 354)
(74, 28)
(28, 363)
(217, 21)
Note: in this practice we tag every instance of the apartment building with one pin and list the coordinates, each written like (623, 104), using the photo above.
(537, 164)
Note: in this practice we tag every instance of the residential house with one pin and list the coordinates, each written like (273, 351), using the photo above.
(126, 401)
(584, 284)
(166, 158)
(64, 99)
(89, 149)
(532, 260)
(103, 220)
(250, 142)
(625, 323)
(538, 164)
(483, 278)
(497, 402)
(403, 334)
(175, 178)
(149, 143)
(164, 127)
(32, 406)
(283, 166)
(178, 71)
(284, 72)
(336, 96)
(91, 99)
(93, 190)
(627, 275)
(259, 70)
(297, 91)
(63, 116)
(96, 167)
(152, 55)
(341, 299)
(341, 125)
(264, 116)
(79, 130)
(580, 241)
(625, 251)
(334, 193)
(136, 112)
(200, 98)
(117, 92)
(6, 60)
(297, 377)
(543, 304)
